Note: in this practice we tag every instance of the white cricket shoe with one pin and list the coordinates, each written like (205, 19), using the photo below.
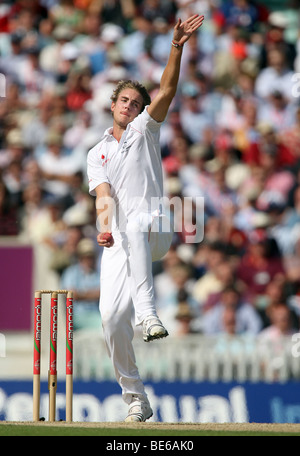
(139, 410)
(153, 329)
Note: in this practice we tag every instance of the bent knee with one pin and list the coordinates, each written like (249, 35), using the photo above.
(114, 321)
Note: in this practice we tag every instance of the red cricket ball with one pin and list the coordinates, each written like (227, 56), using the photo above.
(106, 237)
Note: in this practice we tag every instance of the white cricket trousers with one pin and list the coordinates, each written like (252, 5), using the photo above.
(126, 285)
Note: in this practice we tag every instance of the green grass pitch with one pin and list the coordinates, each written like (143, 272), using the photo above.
(92, 429)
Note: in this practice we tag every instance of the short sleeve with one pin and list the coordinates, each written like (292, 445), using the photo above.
(96, 171)
(145, 122)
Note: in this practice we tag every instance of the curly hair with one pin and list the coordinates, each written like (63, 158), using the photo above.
(128, 84)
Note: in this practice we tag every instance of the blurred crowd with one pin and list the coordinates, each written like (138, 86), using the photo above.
(231, 139)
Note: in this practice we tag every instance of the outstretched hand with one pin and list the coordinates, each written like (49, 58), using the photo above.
(184, 30)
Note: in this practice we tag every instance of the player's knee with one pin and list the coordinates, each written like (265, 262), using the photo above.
(108, 319)
(112, 322)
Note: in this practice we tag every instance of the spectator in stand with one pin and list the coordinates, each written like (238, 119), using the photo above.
(178, 276)
(78, 89)
(169, 130)
(10, 109)
(13, 179)
(33, 214)
(52, 60)
(293, 300)
(89, 43)
(152, 9)
(9, 223)
(280, 324)
(274, 340)
(12, 64)
(290, 136)
(185, 316)
(260, 265)
(220, 195)
(240, 12)
(66, 13)
(276, 75)
(178, 155)
(277, 29)
(14, 150)
(273, 160)
(83, 278)
(278, 112)
(57, 168)
(120, 12)
(275, 294)
(178, 292)
(225, 273)
(36, 128)
(245, 318)
(293, 214)
(194, 121)
(278, 183)
(286, 225)
(209, 282)
(193, 175)
(267, 144)
(238, 114)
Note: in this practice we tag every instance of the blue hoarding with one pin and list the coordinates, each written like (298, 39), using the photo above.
(171, 402)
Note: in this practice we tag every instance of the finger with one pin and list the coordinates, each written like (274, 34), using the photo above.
(177, 26)
(196, 25)
(191, 20)
(105, 244)
(101, 241)
(195, 19)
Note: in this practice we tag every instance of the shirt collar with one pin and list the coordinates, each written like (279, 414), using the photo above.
(108, 132)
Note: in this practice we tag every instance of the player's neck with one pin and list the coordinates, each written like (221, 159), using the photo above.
(118, 132)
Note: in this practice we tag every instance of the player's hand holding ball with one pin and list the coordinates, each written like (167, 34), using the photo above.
(105, 239)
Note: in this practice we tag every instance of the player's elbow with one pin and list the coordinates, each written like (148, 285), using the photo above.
(167, 94)
(160, 106)
(103, 190)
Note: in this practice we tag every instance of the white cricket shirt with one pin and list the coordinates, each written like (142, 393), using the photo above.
(132, 167)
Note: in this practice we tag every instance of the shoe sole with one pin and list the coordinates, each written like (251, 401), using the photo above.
(149, 338)
(129, 418)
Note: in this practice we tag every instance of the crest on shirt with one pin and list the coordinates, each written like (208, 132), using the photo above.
(104, 160)
(125, 147)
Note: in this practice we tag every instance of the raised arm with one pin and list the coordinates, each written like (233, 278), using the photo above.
(159, 107)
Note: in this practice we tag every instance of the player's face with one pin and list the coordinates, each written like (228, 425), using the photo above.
(127, 107)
